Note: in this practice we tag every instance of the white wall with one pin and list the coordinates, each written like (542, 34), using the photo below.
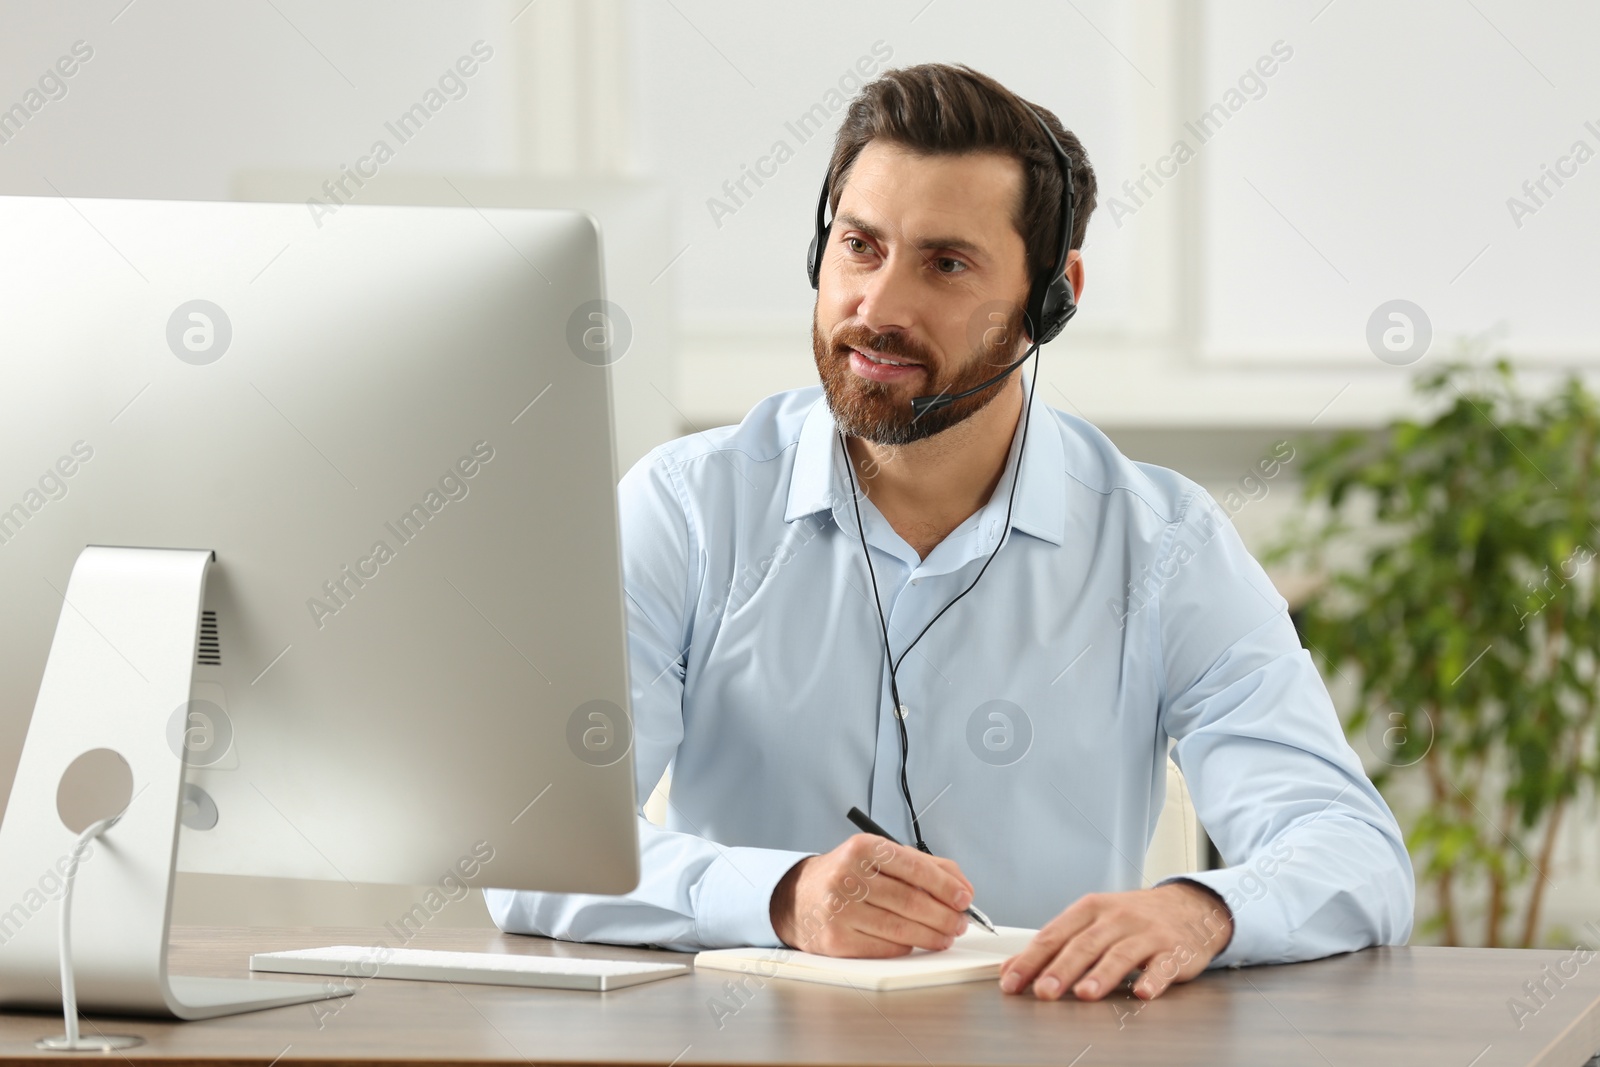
(1388, 160)
(180, 94)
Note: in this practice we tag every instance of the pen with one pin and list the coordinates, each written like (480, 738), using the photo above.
(865, 823)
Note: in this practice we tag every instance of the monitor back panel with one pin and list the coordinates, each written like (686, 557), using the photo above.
(393, 427)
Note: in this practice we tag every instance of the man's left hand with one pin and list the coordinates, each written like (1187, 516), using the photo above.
(1170, 932)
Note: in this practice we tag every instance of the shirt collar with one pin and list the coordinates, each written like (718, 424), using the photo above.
(819, 481)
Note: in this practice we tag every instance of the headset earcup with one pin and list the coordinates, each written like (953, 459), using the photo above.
(819, 241)
(819, 236)
(1059, 307)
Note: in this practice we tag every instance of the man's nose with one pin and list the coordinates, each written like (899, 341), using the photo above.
(889, 298)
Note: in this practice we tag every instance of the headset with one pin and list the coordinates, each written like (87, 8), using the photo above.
(1051, 304)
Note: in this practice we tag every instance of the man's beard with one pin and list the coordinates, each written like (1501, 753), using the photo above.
(869, 410)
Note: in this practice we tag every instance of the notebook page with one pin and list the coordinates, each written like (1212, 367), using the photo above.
(976, 951)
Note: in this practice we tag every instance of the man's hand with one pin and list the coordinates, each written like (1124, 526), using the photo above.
(870, 898)
(1170, 932)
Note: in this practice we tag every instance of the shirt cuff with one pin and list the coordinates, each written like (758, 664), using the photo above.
(1259, 929)
(733, 906)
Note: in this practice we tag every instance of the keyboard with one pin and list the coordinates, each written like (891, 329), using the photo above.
(488, 968)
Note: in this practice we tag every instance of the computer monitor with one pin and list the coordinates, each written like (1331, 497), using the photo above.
(391, 427)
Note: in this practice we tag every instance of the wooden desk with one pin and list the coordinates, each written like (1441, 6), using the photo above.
(1383, 1006)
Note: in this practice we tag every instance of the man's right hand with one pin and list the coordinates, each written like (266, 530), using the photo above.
(871, 898)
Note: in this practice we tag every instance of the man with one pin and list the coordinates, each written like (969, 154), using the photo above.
(1117, 610)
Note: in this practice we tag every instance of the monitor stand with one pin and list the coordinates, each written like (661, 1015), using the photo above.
(120, 667)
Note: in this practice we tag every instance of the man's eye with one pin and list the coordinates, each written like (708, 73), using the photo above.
(941, 262)
(853, 242)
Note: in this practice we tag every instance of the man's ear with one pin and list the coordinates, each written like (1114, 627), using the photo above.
(1074, 273)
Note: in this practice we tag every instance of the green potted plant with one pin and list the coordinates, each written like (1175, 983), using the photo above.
(1457, 621)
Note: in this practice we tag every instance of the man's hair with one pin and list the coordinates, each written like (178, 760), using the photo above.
(937, 109)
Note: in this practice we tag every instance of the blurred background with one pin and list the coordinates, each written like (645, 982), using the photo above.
(1305, 205)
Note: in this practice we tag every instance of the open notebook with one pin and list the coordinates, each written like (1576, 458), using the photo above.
(976, 956)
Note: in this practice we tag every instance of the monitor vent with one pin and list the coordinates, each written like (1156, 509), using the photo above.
(210, 651)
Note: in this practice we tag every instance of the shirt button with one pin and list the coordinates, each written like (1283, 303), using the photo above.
(916, 581)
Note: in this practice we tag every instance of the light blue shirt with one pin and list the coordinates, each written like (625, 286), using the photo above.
(1122, 612)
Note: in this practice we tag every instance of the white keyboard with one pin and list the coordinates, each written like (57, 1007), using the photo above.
(490, 968)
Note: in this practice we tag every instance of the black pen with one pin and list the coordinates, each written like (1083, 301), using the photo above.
(865, 823)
